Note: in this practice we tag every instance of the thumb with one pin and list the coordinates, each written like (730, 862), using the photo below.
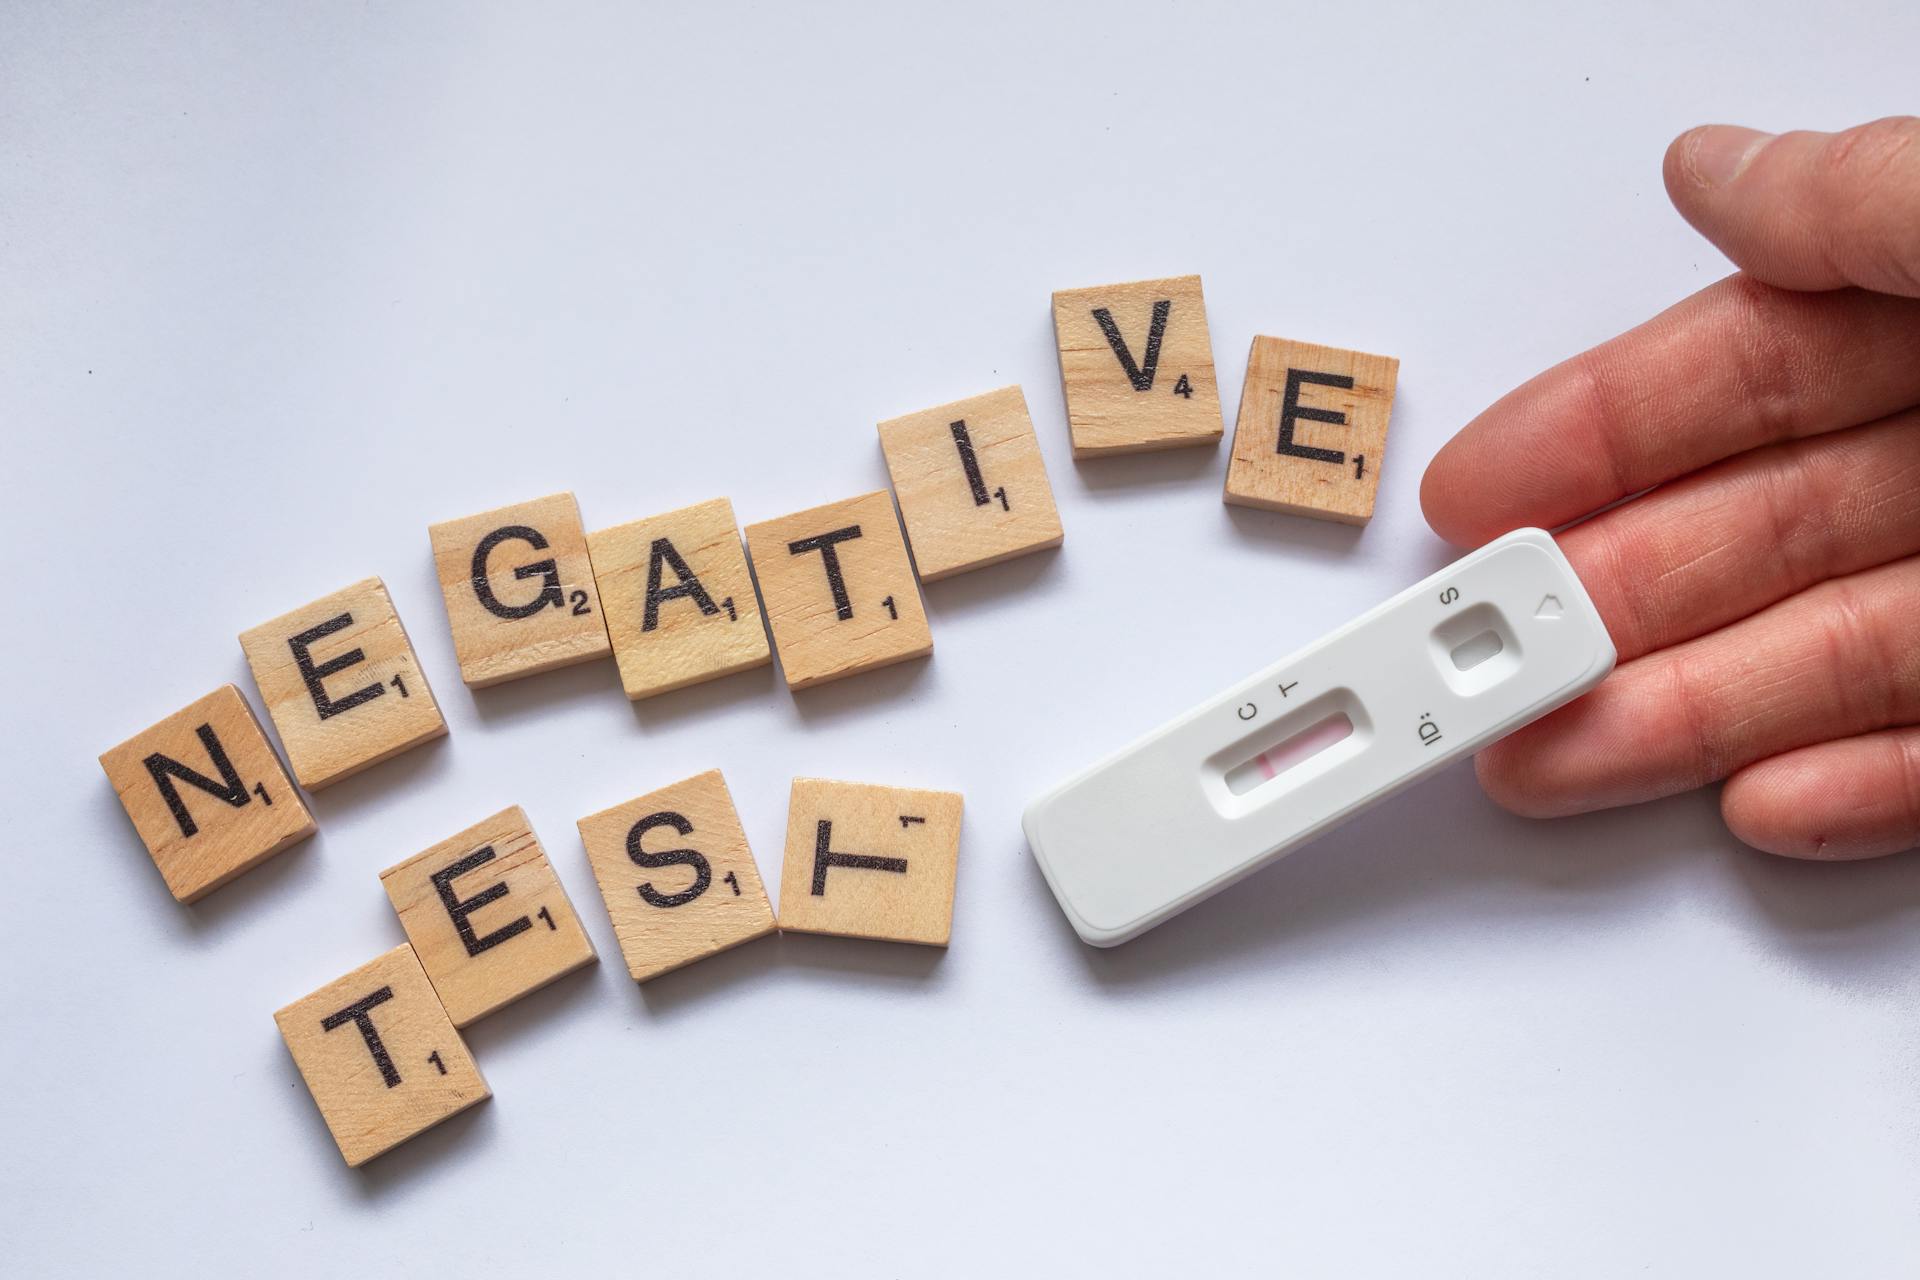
(1807, 210)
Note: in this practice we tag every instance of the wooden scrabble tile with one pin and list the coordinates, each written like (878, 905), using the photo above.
(341, 683)
(866, 861)
(679, 880)
(839, 590)
(680, 603)
(971, 483)
(1137, 366)
(1312, 430)
(487, 916)
(380, 1057)
(207, 794)
(520, 590)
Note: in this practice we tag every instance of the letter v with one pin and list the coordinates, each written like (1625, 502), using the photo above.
(1140, 375)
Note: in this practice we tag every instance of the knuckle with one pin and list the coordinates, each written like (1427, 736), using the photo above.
(1896, 260)
(1855, 659)
(1872, 176)
(1775, 372)
(1906, 749)
(1620, 551)
(1797, 499)
(1698, 698)
(1860, 156)
(1605, 400)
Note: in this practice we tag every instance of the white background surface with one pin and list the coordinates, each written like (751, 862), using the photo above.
(281, 289)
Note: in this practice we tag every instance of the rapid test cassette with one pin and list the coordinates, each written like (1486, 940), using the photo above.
(1495, 640)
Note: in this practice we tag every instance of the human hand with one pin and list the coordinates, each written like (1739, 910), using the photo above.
(1764, 593)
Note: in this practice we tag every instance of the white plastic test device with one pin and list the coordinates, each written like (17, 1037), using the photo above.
(1495, 640)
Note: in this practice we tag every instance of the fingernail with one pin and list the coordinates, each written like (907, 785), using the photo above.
(1718, 153)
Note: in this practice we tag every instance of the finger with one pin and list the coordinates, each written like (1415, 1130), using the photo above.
(1831, 662)
(1712, 548)
(1807, 210)
(1736, 366)
(1854, 798)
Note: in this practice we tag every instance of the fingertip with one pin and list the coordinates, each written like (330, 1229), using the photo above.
(1673, 166)
(1759, 811)
(1528, 459)
(1711, 156)
(1834, 801)
(1440, 488)
(1507, 776)
(1700, 163)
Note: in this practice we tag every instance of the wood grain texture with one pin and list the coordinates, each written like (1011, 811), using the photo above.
(971, 483)
(395, 1070)
(207, 794)
(679, 881)
(840, 593)
(866, 861)
(1317, 451)
(487, 916)
(1167, 398)
(368, 701)
(519, 588)
(681, 606)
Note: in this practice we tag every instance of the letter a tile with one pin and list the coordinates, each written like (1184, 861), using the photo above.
(342, 685)
(1137, 366)
(380, 1057)
(487, 916)
(680, 602)
(207, 794)
(679, 880)
(971, 483)
(520, 592)
(1312, 430)
(866, 861)
(840, 592)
